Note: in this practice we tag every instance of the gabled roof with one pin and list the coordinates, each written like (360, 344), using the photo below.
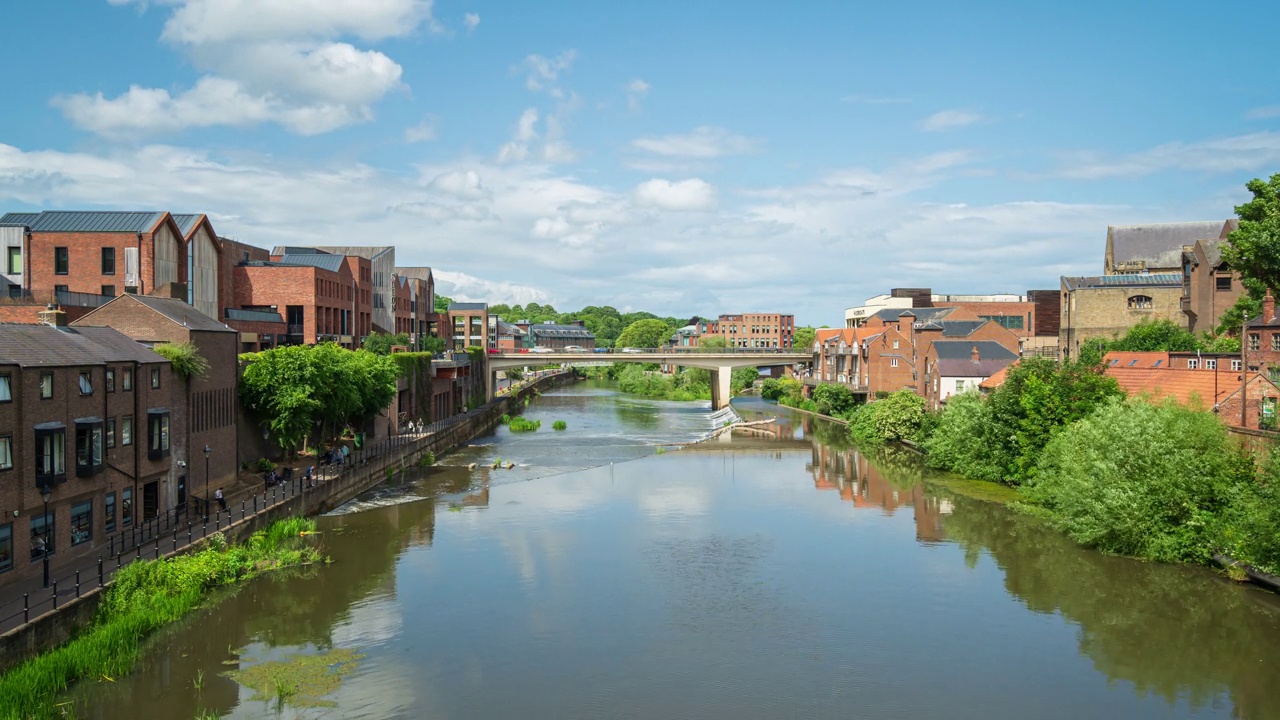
(920, 314)
(48, 346)
(187, 222)
(86, 221)
(421, 273)
(997, 379)
(1209, 386)
(175, 311)
(364, 251)
(849, 336)
(953, 328)
(332, 263)
(1154, 280)
(1157, 245)
(1136, 359)
(963, 350)
(506, 328)
(19, 218)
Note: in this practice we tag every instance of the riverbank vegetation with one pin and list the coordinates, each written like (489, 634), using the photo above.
(686, 385)
(145, 596)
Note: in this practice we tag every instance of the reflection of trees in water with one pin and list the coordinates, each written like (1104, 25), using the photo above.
(1175, 631)
(633, 415)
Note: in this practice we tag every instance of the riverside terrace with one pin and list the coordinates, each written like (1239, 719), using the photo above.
(720, 361)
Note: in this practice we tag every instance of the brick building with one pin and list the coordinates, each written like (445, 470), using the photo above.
(1209, 286)
(204, 264)
(470, 325)
(1107, 306)
(374, 277)
(511, 337)
(953, 366)
(422, 285)
(1218, 391)
(84, 413)
(204, 407)
(755, 330)
(1153, 248)
(312, 294)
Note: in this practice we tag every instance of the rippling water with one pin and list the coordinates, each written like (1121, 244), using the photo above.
(777, 575)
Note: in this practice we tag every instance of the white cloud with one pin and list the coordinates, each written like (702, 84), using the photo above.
(636, 90)
(525, 133)
(469, 288)
(428, 129)
(263, 61)
(948, 119)
(460, 183)
(471, 21)
(1263, 113)
(541, 72)
(705, 142)
(1220, 155)
(692, 194)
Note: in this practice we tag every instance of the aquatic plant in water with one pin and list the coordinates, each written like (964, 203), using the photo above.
(559, 425)
(300, 680)
(519, 424)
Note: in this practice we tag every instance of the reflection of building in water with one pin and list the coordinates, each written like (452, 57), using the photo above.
(862, 483)
(478, 497)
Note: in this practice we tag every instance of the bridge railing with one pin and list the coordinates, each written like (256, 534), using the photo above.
(674, 350)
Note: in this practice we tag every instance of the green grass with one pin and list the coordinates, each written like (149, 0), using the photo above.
(145, 596)
(559, 425)
(980, 490)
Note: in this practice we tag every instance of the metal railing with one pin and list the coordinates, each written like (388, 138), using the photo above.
(79, 299)
(674, 350)
(180, 527)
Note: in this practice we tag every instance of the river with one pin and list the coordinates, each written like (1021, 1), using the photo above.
(783, 576)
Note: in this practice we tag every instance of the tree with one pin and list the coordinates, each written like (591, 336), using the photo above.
(833, 399)
(804, 338)
(442, 302)
(433, 345)
(1156, 336)
(647, 333)
(713, 342)
(1253, 249)
(381, 343)
(897, 417)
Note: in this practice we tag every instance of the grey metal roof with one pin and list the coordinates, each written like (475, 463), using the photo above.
(332, 263)
(1158, 245)
(364, 251)
(48, 346)
(963, 350)
(553, 330)
(19, 218)
(920, 314)
(422, 273)
(249, 315)
(179, 312)
(506, 328)
(92, 221)
(953, 328)
(468, 306)
(187, 222)
(1100, 281)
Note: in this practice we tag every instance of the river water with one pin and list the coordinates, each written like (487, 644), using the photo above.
(779, 575)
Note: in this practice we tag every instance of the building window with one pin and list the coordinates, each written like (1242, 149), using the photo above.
(108, 291)
(1223, 283)
(1140, 302)
(1192, 364)
(111, 380)
(42, 535)
(1255, 341)
(1236, 365)
(81, 522)
(893, 362)
(895, 344)
(6, 547)
(126, 430)
(109, 513)
(1275, 341)
(14, 261)
(6, 388)
(86, 384)
(61, 262)
(155, 378)
(157, 434)
(46, 385)
(61, 292)
(6, 452)
(108, 261)
(51, 453)
(111, 433)
(1008, 322)
(126, 379)
(1211, 364)
(88, 447)
(126, 507)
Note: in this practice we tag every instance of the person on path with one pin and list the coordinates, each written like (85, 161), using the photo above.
(222, 501)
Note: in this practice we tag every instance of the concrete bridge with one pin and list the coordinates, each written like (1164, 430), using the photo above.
(720, 361)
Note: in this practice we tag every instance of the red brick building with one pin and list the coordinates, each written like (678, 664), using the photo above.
(422, 285)
(755, 330)
(85, 413)
(952, 367)
(1217, 391)
(313, 293)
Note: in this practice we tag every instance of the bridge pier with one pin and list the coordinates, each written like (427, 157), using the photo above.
(721, 390)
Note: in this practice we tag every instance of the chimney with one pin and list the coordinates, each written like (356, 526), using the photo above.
(52, 315)
(1268, 308)
(973, 355)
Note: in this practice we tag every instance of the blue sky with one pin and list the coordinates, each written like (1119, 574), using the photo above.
(679, 157)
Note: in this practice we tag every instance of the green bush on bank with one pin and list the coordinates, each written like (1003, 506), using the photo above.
(899, 416)
(145, 596)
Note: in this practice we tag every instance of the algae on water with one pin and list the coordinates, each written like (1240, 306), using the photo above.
(300, 680)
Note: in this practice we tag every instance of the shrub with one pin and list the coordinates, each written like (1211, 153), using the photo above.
(1140, 479)
(519, 424)
(559, 425)
(833, 399)
(897, 417)
(1250, 526)
(186, 359)
(962, 440)
(771, 389)
(264, 465)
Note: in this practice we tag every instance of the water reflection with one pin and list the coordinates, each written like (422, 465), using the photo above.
(888, 483)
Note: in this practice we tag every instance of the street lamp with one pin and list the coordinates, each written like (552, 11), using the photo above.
(207, 452)
(45, 492)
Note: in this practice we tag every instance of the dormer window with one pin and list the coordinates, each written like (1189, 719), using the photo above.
(1140, 302)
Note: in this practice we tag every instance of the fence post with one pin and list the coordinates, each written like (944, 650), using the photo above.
(77, 583)
(175, 542)
(99, 571)
(26, 608)
(55, 594)
(157, 548)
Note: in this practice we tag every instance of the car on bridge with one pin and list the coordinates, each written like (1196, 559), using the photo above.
(632, 350)
(540, 350)
(574, 348)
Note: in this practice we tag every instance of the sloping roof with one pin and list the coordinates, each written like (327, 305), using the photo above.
(467, 306)
(1210, 387)
(364, 251)
(983, 368)
(89, 221)
(421, 273)
(849, 336)
(1105, 281)
(178, 312)
(506, 328)
(1136, 359)
(19, 218)
(1157, 245)
(332, 263)
(920, 314)
(560, 331)
(963, 350)
(997, 379)
(187, 222)
(960, 328)
(45, 345)
(296, 250)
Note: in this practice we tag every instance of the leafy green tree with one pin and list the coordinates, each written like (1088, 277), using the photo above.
(1253, 249)
(742, 378)
(278, 385)
(645, 333)
(433, 345)
(381, 343)
(1154, 336)
(897, 417)
(442, 302)
(833, 399)
(1249, 302)
(771, 389)
(964, 440)
(804, 338)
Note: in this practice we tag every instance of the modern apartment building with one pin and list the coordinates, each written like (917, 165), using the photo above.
(755, 330)
(469, 323)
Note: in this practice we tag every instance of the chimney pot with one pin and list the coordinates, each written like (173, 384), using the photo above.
(974, 354)
(1268, 307)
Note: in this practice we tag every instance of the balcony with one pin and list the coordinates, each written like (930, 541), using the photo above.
(296, 330)
(84, 300)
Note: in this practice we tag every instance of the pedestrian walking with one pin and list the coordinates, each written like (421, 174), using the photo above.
(222, 501)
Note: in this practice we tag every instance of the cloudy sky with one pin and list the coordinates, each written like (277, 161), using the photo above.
(680, 157)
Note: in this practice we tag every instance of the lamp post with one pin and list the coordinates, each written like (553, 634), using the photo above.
(45, 492)
(207, 452)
